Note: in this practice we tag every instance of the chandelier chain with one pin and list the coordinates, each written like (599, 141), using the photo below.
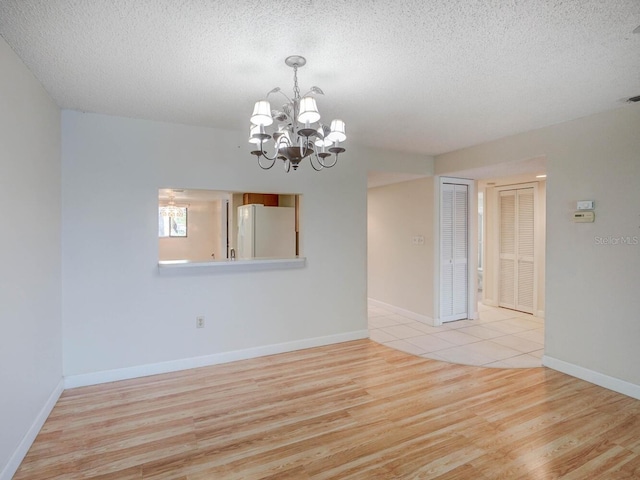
(296, 88)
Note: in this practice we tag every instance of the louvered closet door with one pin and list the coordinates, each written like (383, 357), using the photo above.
(446, 251)
(453, 252)
(460, 252)
(516, 249)
(525, 280)
(508, 249)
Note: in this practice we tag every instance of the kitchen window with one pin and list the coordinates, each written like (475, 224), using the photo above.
(172, 221)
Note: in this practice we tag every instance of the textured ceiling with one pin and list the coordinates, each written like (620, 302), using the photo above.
(425, 76)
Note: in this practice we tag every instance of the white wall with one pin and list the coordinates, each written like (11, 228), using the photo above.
(398, 163)
(30, 312)
(203, 235)
(119, 312)
(399, 272)
(592, 300)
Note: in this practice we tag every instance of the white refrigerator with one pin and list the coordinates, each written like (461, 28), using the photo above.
(266, 232)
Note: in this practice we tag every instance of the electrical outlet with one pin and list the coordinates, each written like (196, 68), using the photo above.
(417, 240)
(199, 322)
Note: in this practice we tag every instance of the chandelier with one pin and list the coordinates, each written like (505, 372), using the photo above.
(171, 210)
(296, 136)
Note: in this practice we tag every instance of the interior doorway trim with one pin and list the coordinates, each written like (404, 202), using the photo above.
(472, 254)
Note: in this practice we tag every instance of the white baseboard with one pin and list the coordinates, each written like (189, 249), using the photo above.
(105, 376)
(18, 455)
(610, 383)
(401, 311)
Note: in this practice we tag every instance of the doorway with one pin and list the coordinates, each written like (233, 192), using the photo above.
(405, 267)
(513, 244)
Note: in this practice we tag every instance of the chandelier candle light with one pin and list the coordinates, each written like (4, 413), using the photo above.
(296, 136)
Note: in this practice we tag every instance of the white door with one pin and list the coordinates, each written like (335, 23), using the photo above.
(517, 275)
(454, 251)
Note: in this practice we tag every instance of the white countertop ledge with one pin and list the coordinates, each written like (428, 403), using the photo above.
(245, 265)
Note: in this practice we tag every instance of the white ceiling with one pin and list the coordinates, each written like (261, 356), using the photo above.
(425, 76)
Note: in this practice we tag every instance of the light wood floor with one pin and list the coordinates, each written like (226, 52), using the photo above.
(356, 410)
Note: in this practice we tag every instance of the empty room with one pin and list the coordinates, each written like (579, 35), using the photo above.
(305, 240)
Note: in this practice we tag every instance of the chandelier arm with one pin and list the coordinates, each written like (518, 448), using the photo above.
(305, 147)
(317, 169)
(273, 162)
(328, 166)
(264, 153)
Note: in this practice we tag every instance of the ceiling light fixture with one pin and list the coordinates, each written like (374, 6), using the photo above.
(171, 210)
(296, 137)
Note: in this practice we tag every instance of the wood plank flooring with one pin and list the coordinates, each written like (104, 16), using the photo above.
(356, 410)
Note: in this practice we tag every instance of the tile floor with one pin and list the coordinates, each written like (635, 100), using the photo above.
(499, 338)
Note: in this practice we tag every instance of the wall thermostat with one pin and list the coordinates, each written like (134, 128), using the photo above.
(585, 205)
(584, 217)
